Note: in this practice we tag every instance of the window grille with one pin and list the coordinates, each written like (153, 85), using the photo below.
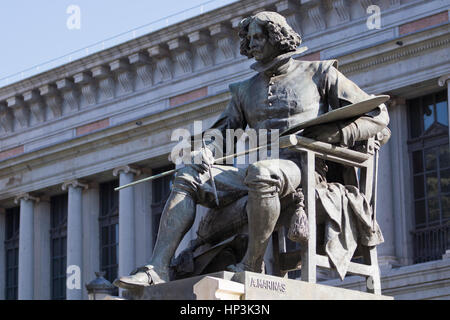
(109, 229)
(160, 192)
(58, 240)
(12, 252)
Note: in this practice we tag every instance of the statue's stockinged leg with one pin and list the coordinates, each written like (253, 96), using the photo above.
(177, 218)
(264, 181)
(263, 213)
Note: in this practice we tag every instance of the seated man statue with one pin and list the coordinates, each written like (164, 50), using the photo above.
(283, 93)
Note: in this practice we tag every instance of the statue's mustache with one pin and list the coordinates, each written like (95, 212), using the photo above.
(255, 50)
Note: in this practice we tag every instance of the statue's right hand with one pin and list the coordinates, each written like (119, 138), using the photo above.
(202, 159)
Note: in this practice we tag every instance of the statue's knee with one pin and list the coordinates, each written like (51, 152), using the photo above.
(261, 179)
(257, 170)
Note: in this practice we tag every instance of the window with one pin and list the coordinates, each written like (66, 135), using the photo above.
(12, 252)
(109, 229)
(161, 190)
(58, 240)
(430, 162)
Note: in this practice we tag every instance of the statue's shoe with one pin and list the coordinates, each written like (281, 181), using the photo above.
(236, 267)
(141, 277)
(241, 266)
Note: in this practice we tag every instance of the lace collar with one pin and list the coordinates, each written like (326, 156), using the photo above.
(279, 64)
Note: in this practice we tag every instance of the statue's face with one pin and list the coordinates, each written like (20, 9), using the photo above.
(260, 47)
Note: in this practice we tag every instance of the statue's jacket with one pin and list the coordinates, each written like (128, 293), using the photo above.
(286, 92)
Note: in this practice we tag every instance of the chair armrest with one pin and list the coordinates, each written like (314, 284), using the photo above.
(331, 152)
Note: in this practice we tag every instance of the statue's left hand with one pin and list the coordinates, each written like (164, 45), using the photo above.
(329, 133)
(203, 159)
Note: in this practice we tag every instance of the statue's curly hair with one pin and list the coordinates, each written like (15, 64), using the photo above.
(280, 34)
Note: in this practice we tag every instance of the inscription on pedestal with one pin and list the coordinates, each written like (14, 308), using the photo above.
(269, 285)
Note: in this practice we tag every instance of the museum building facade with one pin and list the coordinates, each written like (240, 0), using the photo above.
(70, 135)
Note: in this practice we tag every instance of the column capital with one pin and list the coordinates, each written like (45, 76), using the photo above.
(443, 79)
(126, 169)
(25, 196)
(75, 184)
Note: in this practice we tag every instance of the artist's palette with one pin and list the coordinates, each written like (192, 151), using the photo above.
(347, 112)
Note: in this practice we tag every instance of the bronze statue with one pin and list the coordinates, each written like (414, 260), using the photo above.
(283, 93)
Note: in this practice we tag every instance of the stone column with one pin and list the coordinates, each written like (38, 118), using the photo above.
(385, 206)
(42, 276)
(402, 190)
(91, 234)
(445, 80)
(127, 256)
(74, 239)
(26, 246)
(2, 254)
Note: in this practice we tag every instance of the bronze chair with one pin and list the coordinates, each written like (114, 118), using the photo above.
(307, 259)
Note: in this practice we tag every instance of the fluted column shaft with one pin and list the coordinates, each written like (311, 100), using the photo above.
(127, 256)
(26, 247)
(74, 239)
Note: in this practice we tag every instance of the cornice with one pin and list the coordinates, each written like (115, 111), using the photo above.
(112, 73)
(79, 83)
(397, 54)
(69, 122)
(167, 119)
(104, 141)
(131, 47)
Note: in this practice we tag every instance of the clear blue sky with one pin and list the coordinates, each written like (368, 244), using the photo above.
(35, 31)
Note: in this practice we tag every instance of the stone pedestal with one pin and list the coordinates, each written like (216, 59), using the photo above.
(245, 286)
(210, 288)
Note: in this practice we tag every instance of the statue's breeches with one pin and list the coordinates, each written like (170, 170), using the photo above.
(265, 178)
